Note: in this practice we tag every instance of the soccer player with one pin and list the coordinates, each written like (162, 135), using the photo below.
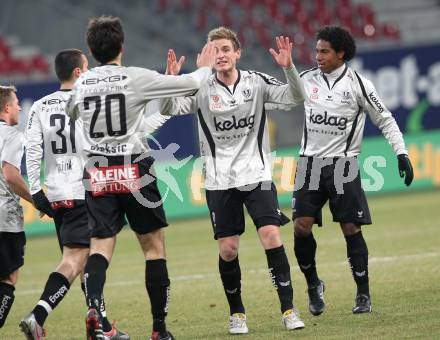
(337, 98)
(12, 187)
(50, 127)
(234, 144)
(110, 100)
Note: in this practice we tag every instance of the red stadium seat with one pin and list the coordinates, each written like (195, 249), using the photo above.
(225, 17)
(20, 66)
(366, 14)
(5, 52)
(390, 30)
(202, 19)
(304, 54)
(187, 5)
(38, 63)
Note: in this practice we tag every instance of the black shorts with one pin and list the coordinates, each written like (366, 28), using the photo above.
(226, 208)
(71, 223)
(348, 203)
(143, 207)
(12, 246)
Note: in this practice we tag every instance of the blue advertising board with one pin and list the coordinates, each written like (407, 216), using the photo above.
(408, 81)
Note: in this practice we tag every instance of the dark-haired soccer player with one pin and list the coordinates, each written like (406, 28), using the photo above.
(110, 99)
(234, 144)
(50, 127)
(12, 187)
(337, 98)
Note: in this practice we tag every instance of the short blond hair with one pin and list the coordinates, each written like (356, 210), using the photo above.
(224, 33)
(5, 95)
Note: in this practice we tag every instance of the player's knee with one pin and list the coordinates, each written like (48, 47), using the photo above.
(10, 279)
(229, 252)
(270, 237)
(71, 266)
(302, 227)
(350, 228)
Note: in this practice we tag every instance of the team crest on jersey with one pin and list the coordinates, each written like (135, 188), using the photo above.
(246, 93)
(345, 97)
(216, 102)
(314, 94)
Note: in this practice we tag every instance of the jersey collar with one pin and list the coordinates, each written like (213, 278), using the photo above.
(342, 70)
(226, 86)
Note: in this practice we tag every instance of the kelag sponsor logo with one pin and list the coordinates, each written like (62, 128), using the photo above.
(233, 123)
(339, 122)
(376, 102)
(59, 294)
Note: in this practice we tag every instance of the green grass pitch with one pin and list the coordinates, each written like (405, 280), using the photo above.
(404, 246)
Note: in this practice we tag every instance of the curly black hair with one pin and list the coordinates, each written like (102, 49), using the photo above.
(340, 40)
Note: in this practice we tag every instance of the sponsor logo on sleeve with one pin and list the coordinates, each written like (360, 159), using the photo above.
(376, 102)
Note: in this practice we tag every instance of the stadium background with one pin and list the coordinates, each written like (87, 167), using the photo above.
(398, 49)
(398, 44)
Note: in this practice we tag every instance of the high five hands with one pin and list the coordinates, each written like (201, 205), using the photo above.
(205, 58)
(173, 66)
(284, 55)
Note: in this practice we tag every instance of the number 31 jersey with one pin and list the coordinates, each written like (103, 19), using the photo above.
(50, 127)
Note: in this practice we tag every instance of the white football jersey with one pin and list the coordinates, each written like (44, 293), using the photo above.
(335, 114)
(11, 151)
(233, 127)
(111, 100)
(50, 127)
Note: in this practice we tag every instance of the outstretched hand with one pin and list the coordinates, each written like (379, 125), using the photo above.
(284, 55)
(173, 66)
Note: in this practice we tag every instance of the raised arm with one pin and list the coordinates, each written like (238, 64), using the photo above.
(291, 93)
(154, 85)
(177, 105)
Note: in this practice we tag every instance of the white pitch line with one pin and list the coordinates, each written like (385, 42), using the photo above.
(194, 277)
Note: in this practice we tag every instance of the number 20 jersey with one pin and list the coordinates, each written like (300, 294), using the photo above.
(111, 99)
(50, 127)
